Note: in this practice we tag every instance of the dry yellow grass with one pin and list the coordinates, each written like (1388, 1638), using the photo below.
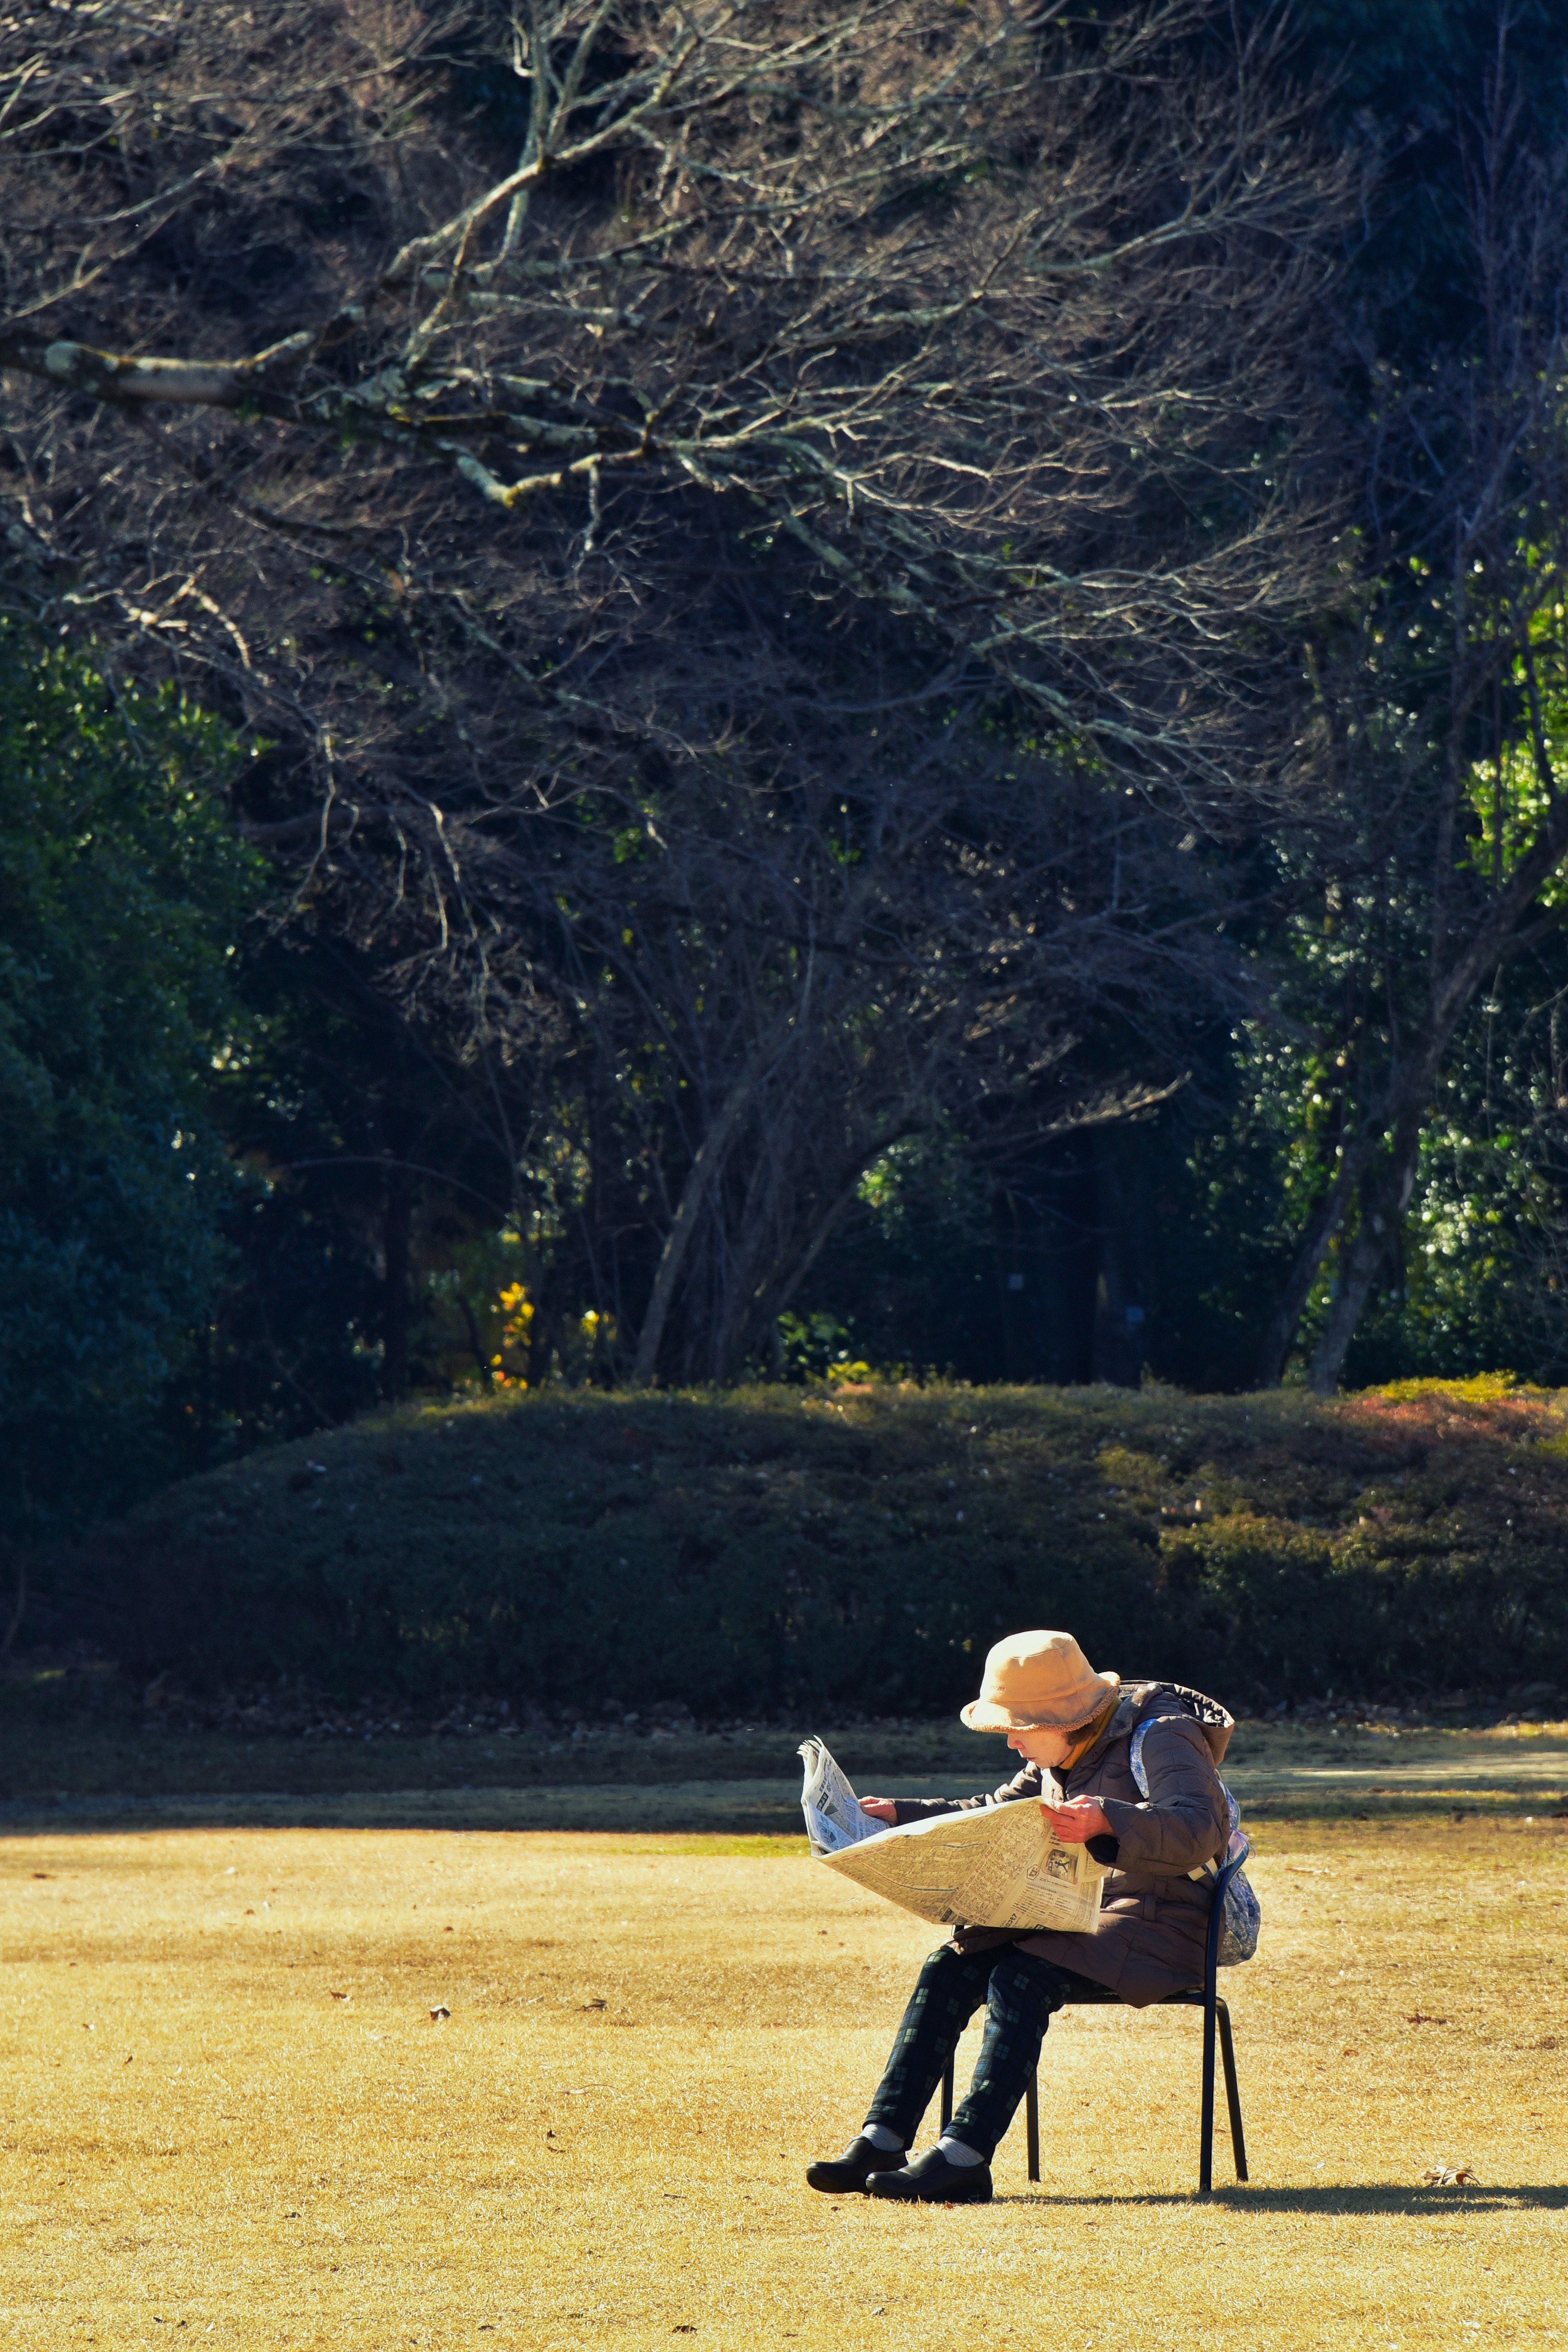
(648, 2039)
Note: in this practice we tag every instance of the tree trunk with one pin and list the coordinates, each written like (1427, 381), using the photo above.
(1279, 1336)
(1401, 1104)
(770, 1298)
(397, 1223)
(1385, 1196)
(688, 1208)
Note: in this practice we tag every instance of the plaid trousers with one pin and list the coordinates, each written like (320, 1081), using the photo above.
(1018, 1993)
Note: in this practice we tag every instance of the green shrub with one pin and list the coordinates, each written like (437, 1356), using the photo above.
(771, 1551)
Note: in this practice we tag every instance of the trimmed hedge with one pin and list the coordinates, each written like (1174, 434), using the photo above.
(771, 1551)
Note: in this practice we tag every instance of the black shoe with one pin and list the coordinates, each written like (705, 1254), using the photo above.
(847, 2175)
(932, 2181)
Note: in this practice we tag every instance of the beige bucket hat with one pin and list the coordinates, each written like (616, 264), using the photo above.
(1038, 1682)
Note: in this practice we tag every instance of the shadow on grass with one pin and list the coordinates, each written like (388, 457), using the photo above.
(1346, 2199)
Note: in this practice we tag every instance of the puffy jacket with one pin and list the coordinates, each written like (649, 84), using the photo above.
(1153, 1915)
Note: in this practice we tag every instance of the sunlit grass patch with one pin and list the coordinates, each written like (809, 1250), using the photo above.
(228, 2105)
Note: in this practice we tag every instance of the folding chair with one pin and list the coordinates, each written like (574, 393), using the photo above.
(1214, 2014)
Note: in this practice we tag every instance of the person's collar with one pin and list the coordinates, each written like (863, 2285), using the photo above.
(1089, 1737)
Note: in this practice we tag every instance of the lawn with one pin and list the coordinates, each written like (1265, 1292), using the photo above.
(229, 2110)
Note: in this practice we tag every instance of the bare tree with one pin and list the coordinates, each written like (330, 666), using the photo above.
(1441, 739)
(840, 956)
(641, 465)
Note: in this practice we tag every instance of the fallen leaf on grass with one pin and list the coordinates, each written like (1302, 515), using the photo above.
(1445, 2175)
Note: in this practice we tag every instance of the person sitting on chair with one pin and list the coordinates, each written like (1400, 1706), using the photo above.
(1073, 1728)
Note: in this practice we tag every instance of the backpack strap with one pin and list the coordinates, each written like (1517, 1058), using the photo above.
(1141, 1775)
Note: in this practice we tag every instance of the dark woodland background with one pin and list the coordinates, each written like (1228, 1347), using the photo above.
(912, 723)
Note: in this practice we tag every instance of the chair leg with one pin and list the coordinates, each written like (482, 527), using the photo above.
(1232, 2092)
(948, 2096)
(1206, 2145)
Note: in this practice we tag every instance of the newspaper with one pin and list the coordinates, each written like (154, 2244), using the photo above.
(832, 1809)
(1001, 1867)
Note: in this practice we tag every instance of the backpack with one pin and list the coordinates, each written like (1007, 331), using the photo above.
(1243, 1916)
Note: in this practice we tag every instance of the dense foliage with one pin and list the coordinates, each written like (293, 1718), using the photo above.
(122, 889)
(985, 797)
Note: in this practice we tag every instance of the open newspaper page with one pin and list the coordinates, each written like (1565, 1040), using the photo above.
(832, 1809)
(1002, 1867)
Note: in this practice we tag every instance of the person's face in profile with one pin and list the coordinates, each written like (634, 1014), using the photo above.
(1041, 1745)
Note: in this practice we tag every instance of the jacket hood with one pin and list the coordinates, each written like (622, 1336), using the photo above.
(1147, 1702)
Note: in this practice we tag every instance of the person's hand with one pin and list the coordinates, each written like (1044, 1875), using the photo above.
(880, 1808)
(1080, 1819)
